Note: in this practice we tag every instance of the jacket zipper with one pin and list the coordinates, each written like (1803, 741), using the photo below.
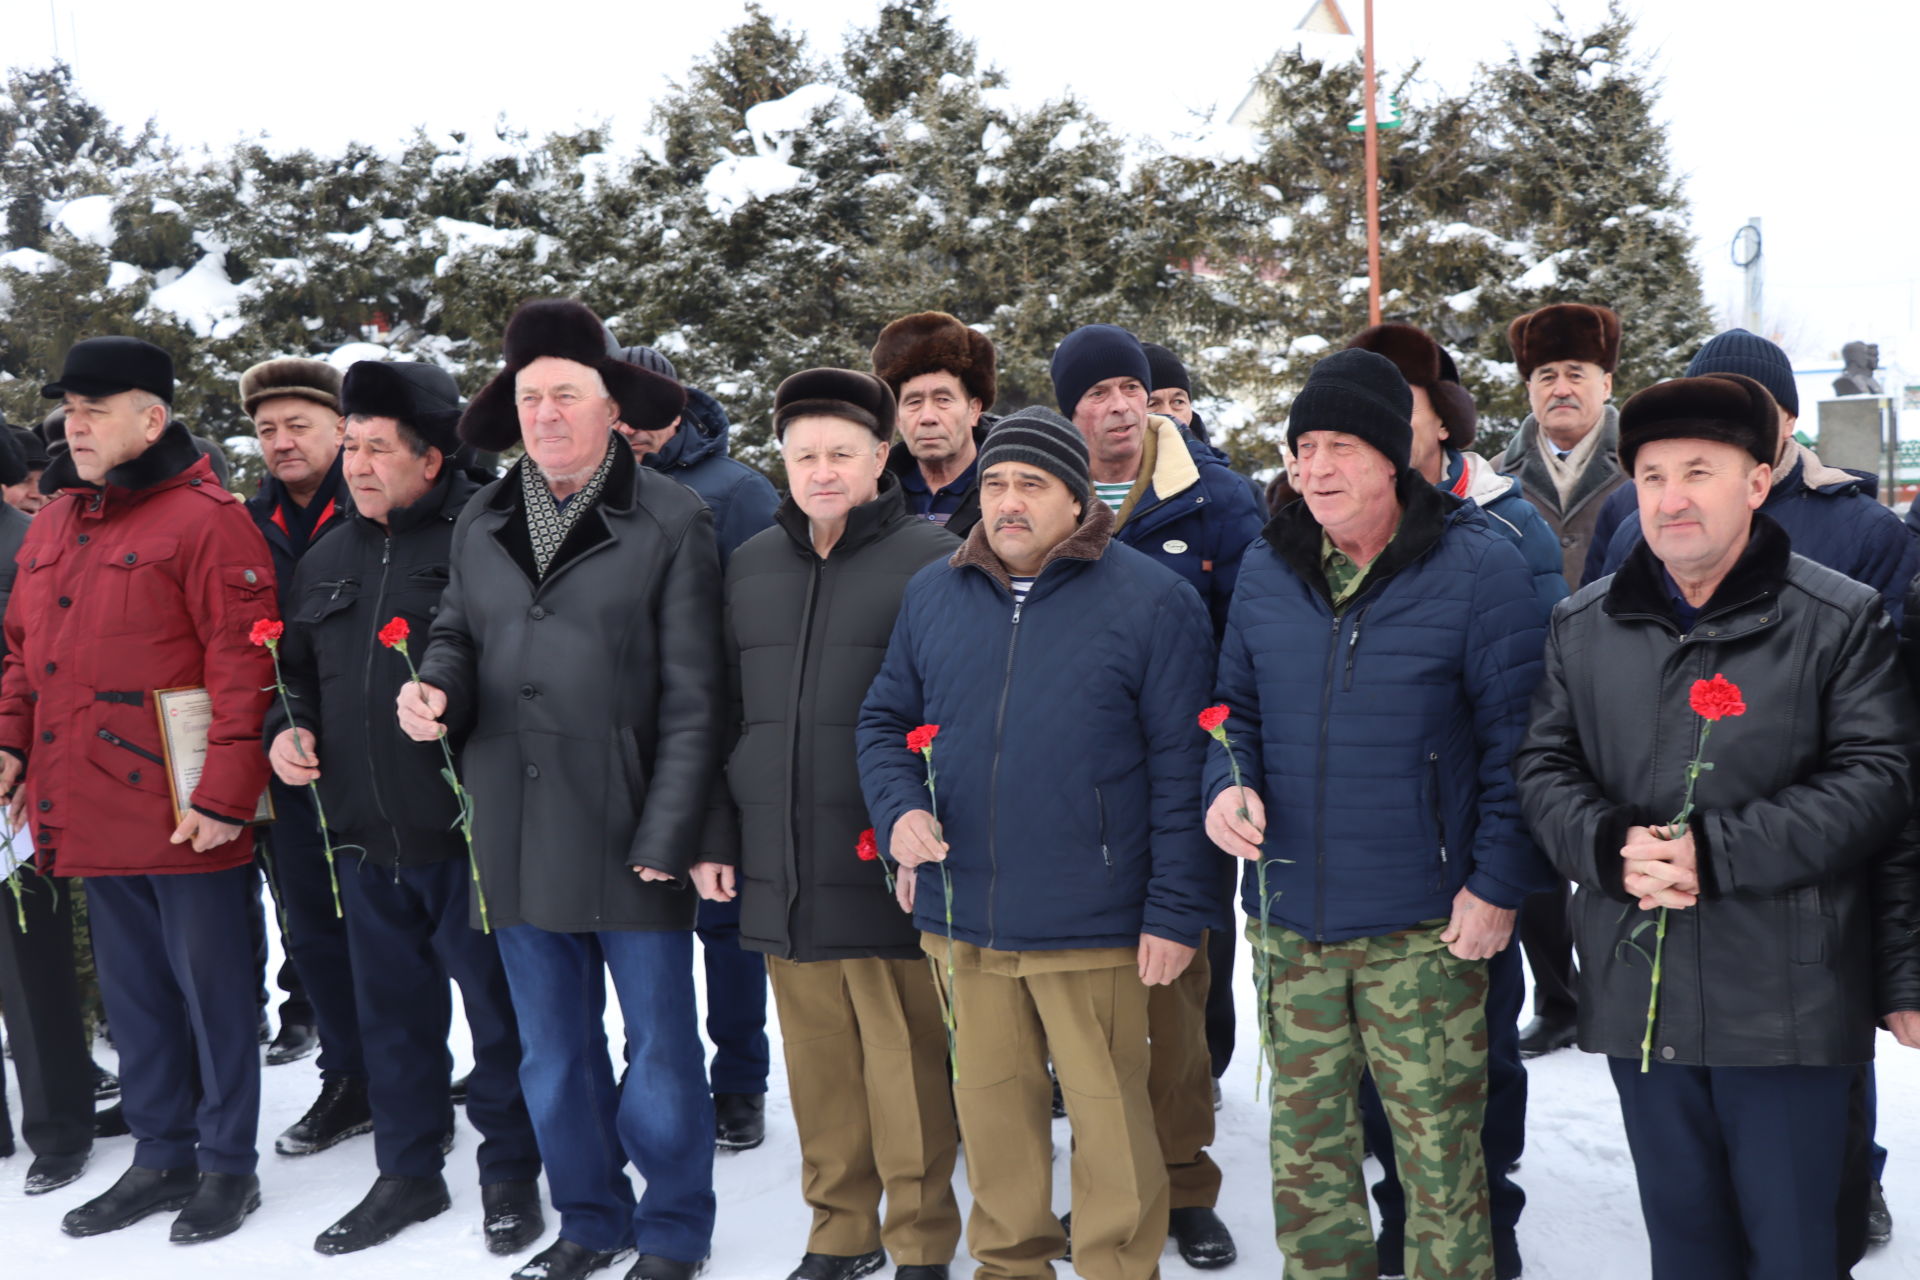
(124, 745)
(792, 859)
(1100, 803)
(1439, 820)
(993, 787)
(366, 684)
(1320, 789)
(1353, 643)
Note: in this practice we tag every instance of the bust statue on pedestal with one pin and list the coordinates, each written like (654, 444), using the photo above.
(1857, 379)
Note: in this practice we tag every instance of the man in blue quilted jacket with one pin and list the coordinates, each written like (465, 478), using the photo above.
(1060, 869)
(1380, 653)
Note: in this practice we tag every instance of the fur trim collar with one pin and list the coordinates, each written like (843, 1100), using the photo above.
(1425, 513)
(169, 456)
(1087, 542)
(1166, 467)
(1639, 588)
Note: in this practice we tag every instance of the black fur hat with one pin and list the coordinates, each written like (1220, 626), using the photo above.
(839, 393)
(1729, 407)
(424, 396)
(566, 330)
(1565, 331)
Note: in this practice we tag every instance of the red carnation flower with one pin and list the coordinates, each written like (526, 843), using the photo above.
(921, 739)
(868, 848)
(1213, 717)
(266, 632)
(1715, 698)
(394, 634)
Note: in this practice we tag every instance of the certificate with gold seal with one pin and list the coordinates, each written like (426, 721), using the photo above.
(186, 722)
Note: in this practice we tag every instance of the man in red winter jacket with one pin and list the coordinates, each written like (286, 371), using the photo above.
(144, 574)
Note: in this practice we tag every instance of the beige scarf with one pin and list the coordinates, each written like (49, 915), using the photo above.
(1566, 472)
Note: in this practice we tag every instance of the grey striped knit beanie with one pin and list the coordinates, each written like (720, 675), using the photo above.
(1041, 438)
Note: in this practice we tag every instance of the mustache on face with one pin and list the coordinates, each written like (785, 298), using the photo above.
(1011, 522)
(1564, 402)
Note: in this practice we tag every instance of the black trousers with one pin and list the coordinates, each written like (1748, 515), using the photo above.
(1222, 946)
(44, 1022)
(316, 938)
(294, 1007)
(409, 933)
(1548, 941)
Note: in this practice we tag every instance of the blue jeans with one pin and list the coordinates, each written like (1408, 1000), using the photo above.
(588, 1129)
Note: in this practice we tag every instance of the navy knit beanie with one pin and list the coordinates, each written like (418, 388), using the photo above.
(1093, 353)
(1737, 351)
(1042, 438)
(1362, 393)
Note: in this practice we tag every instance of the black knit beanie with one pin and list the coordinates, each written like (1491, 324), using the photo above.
(1042, 438)
(1361, 393)
(1166, 369)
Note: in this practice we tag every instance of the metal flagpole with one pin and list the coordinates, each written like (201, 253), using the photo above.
(1373, 183)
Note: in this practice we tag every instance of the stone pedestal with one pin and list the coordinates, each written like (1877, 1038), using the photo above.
(1859, 433)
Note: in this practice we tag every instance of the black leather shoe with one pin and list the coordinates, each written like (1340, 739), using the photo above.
(266, 1030)
(51, 1172)
(1203, 1240)
(1879, 1218)
(835, 1266)
(1066, 1225)
(105, 1083)
(295, 1041)
(339, 1113)
(514, 1218)
(922, 1271)
(1542, 1036)
(565, 1260)
(394, 1204)
(651, 1266)
(138, 1193)
(110, 1122)
(739, 1121)
(219, 1205)
(458, 1090)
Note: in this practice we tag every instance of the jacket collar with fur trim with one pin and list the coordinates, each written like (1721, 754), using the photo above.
(1087, 542)
(1639, 589)
(1167, 468)
(171, 455)
(1425, 513)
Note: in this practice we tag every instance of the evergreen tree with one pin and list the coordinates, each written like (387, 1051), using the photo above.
(1590, 202)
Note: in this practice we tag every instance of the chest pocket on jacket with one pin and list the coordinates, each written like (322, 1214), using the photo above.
(140, 587)
(418, 594)
(324, 600)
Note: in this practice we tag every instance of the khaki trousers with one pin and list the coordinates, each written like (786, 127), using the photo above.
(1180, 1084)
(867, 1074)
(1087, 1010)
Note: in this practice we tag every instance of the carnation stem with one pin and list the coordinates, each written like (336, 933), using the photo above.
(326, 837)
(1675, 829)
(465, 801)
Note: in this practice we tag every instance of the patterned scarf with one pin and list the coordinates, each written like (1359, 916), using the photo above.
(549, 520)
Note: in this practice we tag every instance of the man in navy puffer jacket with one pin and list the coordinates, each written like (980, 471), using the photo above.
(1064, 671)
(1380, 653)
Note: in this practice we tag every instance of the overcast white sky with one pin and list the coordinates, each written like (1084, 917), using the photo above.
(1799, 113)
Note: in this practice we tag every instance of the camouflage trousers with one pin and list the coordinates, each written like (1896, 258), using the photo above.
(1405, 1006)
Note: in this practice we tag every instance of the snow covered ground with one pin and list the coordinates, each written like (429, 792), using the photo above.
(1582, 1220)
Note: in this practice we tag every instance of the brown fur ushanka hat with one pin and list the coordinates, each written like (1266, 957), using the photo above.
(566, 330)
(1424, 363)
(935, 342)
(1565, 331)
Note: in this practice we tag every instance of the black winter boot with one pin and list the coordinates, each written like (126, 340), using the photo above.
(393, 1205)
(340, 1112)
